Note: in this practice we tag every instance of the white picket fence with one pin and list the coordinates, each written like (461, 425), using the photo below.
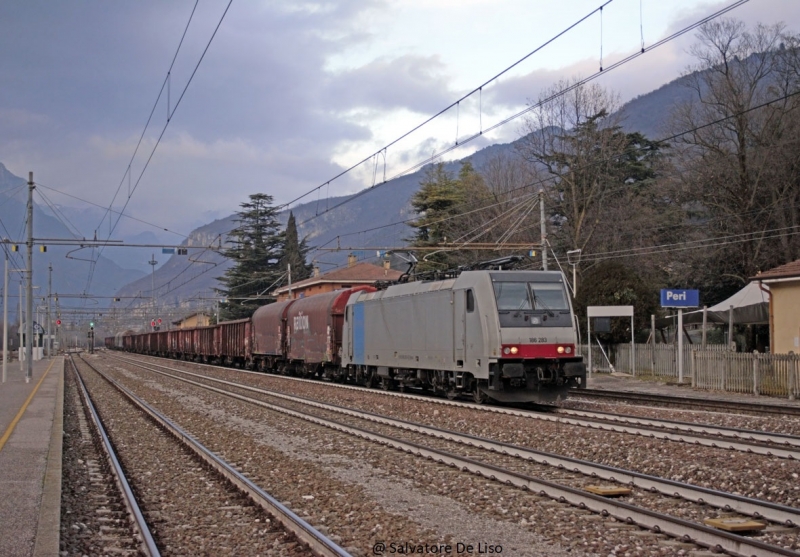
(742, 372)
(660, 360)
(717, 367)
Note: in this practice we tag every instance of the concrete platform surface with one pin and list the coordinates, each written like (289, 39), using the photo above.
(31, 423)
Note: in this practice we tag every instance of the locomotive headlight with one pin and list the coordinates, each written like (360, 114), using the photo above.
(569, 349)
(506, 350)
(560, 349)
(514, 349)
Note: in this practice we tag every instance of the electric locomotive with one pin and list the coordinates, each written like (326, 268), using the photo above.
(503, 335)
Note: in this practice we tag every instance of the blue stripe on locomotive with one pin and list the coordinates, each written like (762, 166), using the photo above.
(358, 334)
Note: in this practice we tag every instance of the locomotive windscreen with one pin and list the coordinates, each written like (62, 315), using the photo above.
(530, 295)
(532, 304)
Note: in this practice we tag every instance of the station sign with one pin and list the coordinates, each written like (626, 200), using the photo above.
(674, 298)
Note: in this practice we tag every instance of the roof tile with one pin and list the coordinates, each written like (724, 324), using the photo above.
(361, 272)
(784, 271)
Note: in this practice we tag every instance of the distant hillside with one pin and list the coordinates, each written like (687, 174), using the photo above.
(371, 209)
(649, 114)
(70, 268)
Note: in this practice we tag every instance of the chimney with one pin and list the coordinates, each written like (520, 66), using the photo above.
(351, 260)
(316, 270)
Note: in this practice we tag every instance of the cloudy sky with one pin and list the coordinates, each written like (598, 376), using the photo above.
(290, 93)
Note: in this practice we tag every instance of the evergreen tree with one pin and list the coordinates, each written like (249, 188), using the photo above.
(294, 252)
(256, 248)
(441, 203)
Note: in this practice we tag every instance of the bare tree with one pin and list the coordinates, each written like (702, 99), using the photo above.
(599, 180)
(738, 165)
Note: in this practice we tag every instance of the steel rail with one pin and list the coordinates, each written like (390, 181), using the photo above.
(676, 527)
(693, 402)
(148, 544)
(773, 512)
(652, 432)
(707, 429)
(318, 543)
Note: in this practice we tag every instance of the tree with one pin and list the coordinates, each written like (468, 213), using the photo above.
(600, 183)
(612, 283)
(255, 249)
(739, 165)
(439, 202)
(294, 252)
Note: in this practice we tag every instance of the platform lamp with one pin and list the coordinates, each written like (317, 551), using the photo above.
(573, 258)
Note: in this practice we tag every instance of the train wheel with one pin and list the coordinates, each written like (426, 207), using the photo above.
(478, 396)
(386, 384)
(452, 394)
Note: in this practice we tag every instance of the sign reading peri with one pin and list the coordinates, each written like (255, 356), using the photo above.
(672, 298)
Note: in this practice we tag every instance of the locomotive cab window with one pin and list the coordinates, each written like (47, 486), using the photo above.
(512, 296)
(549, 296)
(470, 301)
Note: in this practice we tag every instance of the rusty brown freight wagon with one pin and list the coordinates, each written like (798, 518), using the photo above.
(314, 330)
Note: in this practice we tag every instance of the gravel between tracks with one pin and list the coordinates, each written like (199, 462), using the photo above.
(759, 476)
(93, 515)
(331, 453)
(190, 509)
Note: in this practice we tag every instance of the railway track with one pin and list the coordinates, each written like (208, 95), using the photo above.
(512, 465)
(174, 514)
(690, 402)
(101, 512)
(702, 434)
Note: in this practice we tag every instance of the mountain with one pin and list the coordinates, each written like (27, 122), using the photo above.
(189, 281)
(71, 267)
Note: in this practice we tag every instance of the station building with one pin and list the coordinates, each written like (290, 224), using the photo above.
(355, 274)
(784, 306)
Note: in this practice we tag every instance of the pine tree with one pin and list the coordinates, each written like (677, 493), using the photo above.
(256, 250)
(440, 204)
(294, 252)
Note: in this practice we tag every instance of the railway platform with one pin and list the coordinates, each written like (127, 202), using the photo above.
(646, 384)
(31, 427)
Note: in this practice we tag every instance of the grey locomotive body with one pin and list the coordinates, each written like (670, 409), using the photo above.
(505, 335)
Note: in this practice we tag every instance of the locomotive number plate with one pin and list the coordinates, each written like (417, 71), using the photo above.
(539, 340)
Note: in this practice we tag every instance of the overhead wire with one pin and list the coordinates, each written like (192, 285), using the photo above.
(530, 108)
(160, 137)
(451, 105)
(150, 117)
(477, 89)
(589, 166)
(127, 216)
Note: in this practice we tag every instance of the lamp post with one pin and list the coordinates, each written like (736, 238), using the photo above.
(573, 258)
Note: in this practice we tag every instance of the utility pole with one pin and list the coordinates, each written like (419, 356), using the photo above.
(544, 230)
(49, 320)
(29, 285)
(153, 263)
(289, 273)
(21, 330)
(5, 320)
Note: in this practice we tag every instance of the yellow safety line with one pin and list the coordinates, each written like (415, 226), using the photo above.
(17, 418)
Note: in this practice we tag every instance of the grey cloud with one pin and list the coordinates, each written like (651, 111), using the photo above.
(417, 83)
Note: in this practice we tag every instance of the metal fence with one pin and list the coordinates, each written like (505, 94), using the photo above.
(717, 367)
